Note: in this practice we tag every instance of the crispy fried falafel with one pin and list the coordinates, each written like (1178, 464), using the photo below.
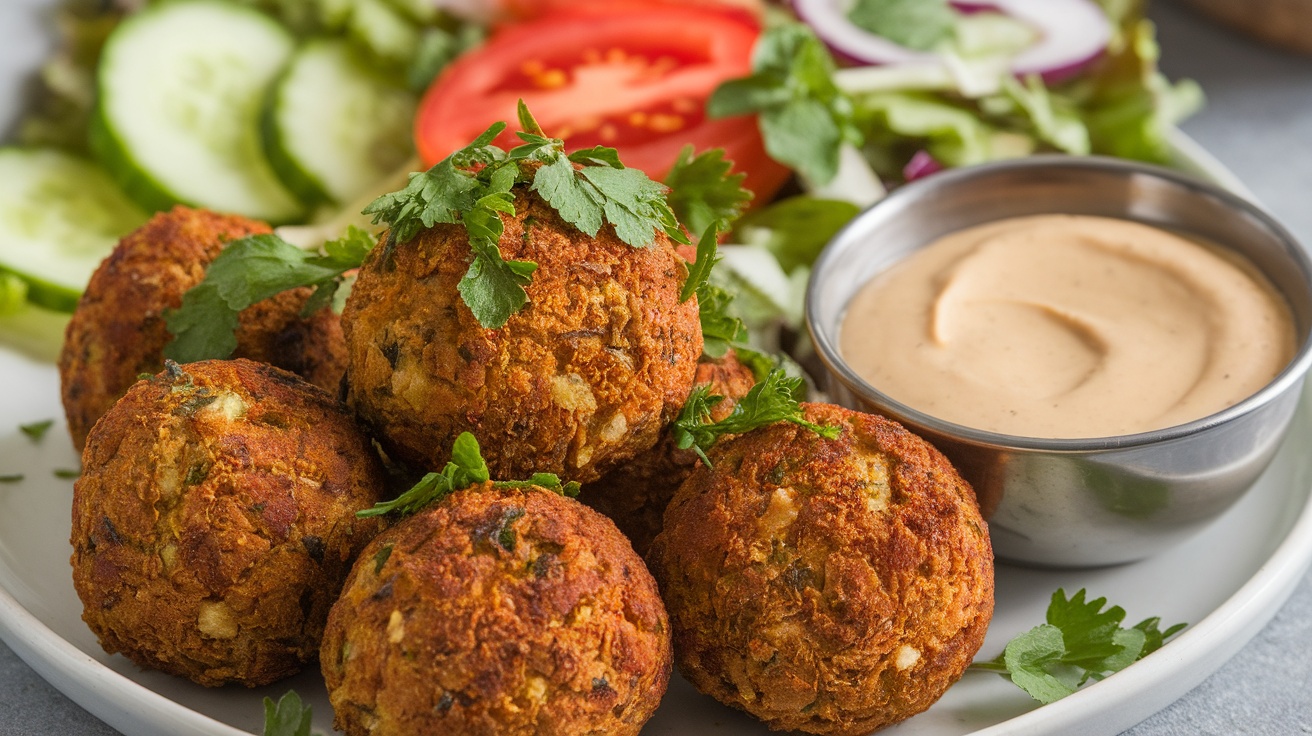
(635, 494)
(827, 586)
(497, 611)
(581, 379)
(214, 521)
(118, 330)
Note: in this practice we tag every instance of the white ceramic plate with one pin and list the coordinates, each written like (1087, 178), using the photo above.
(1227, 582)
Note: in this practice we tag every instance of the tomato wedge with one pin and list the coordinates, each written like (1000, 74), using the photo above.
(632, 76)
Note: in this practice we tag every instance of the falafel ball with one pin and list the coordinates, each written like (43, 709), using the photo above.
(118, 331)
(635, 494)
(214, 522)
(497, 611)
(583, 378)
(827, 586)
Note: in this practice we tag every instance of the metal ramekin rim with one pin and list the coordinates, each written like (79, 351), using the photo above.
(831, 356)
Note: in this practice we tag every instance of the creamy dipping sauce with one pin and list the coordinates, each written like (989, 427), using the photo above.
(1064, 326)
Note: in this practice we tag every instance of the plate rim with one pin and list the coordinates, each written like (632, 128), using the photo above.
(1176, 669)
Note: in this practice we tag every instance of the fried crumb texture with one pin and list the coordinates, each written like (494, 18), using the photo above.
(214, 521)
(826, 586)
(498, 611)
(118, 332)
(579, 381)
(635, 494)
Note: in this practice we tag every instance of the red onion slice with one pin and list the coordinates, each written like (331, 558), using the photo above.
(921, 165)
(1072, 34)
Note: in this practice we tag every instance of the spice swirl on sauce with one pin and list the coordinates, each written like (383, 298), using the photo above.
(1063, 326)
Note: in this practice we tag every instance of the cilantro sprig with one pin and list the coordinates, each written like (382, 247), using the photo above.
(771, 400)
(247, 271)
(1079, 642)
(472, 187)
(466, 468)
(703, 193)
(804, 117)
(288, 717)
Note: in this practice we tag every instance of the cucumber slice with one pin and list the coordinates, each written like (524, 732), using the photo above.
(180, 90)
(59, 217)
(333, 127)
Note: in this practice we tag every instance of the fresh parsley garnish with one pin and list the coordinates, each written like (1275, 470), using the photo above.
(1080, 642)
(11, 478)
(36, 430)
(699, 271)
(67, 474)
(288, 717)
(702, 191)
(804, 117)
(247, 271)
(465, 469)
(721, 330)
(472, 187)
(915, 24)
(771, 400)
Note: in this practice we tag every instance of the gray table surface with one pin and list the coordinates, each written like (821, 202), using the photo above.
(1258, 122)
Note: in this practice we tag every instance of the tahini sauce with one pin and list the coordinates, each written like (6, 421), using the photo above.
(1063, 326)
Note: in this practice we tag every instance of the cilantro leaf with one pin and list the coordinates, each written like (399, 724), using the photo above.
(721, 330)
(699, 271)
(771, 400)
(36, 430)
(493, 288)
(1079, 642)
(915, 24)
(703, 192)
(577, 204)
(437, 195)
(466, 468)
(634, 204)
(249, 270)
(804, 117)
(472, 187)
(289, 717)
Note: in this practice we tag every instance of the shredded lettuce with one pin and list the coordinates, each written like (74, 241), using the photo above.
(971, 109)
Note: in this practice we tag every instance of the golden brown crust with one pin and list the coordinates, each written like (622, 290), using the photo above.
(635, 494)
(580, 380)
(497, 611)
(214, 521)
(828, 586)
(118, 330)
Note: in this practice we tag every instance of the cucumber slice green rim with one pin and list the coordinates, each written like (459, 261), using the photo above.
(180, 87)
(60, 215)
(333, 127)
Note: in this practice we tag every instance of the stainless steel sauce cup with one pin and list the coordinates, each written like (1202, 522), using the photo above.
(1078, 502)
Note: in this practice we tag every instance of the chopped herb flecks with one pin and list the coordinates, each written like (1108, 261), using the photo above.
(37, 430)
